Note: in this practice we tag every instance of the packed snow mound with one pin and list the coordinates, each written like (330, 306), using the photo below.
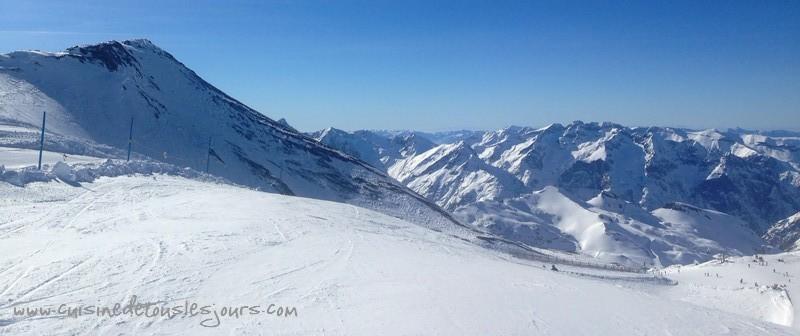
(88, 172)
(93, 94)
(329, 268)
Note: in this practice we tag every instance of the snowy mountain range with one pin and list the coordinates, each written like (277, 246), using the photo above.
(94, 94)
(627, 195)
(591, 228)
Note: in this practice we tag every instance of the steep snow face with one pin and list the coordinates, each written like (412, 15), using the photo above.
(622, 161)
(407, 145)
(674, 166)
(341, 269)
(453, 175)
(756, 188)
(351, 144)
(93, 92)
(536, 161)
(785, 233)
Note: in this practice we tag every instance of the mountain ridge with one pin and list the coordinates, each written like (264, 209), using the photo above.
(751, 177)
(94, 93)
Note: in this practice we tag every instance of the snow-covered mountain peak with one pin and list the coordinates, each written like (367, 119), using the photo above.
(712, 140)
(554, 127)
(412, 144)
(454, 175)
(94, 93)
(112, 54)
(142, 43)
(448, 156)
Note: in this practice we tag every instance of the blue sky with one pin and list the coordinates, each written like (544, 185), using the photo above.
(441, 65)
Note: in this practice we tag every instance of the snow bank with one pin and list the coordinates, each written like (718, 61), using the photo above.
(88, 172)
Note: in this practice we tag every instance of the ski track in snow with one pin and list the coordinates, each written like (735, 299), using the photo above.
(348, 271)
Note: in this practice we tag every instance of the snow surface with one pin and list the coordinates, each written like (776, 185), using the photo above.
(346, 270)
(18, 158)
(762, 289)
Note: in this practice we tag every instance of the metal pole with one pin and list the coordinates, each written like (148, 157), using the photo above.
(41, 142)
(130, 140)
(208, 154)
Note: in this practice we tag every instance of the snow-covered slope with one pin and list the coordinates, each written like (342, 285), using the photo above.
(785, 233)
(763, 287)
(91, 94)
(336, 269)
(453, 175)
(613, 230)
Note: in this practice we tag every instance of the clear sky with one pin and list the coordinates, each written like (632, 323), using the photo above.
(441, 65)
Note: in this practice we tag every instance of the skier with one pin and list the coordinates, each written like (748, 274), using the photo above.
(553, 268)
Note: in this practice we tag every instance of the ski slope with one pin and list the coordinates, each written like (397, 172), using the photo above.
(344, 270)
(760, 288)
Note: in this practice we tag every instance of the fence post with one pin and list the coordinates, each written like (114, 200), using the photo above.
(130, 140)
(208, 154)
(41, 142)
